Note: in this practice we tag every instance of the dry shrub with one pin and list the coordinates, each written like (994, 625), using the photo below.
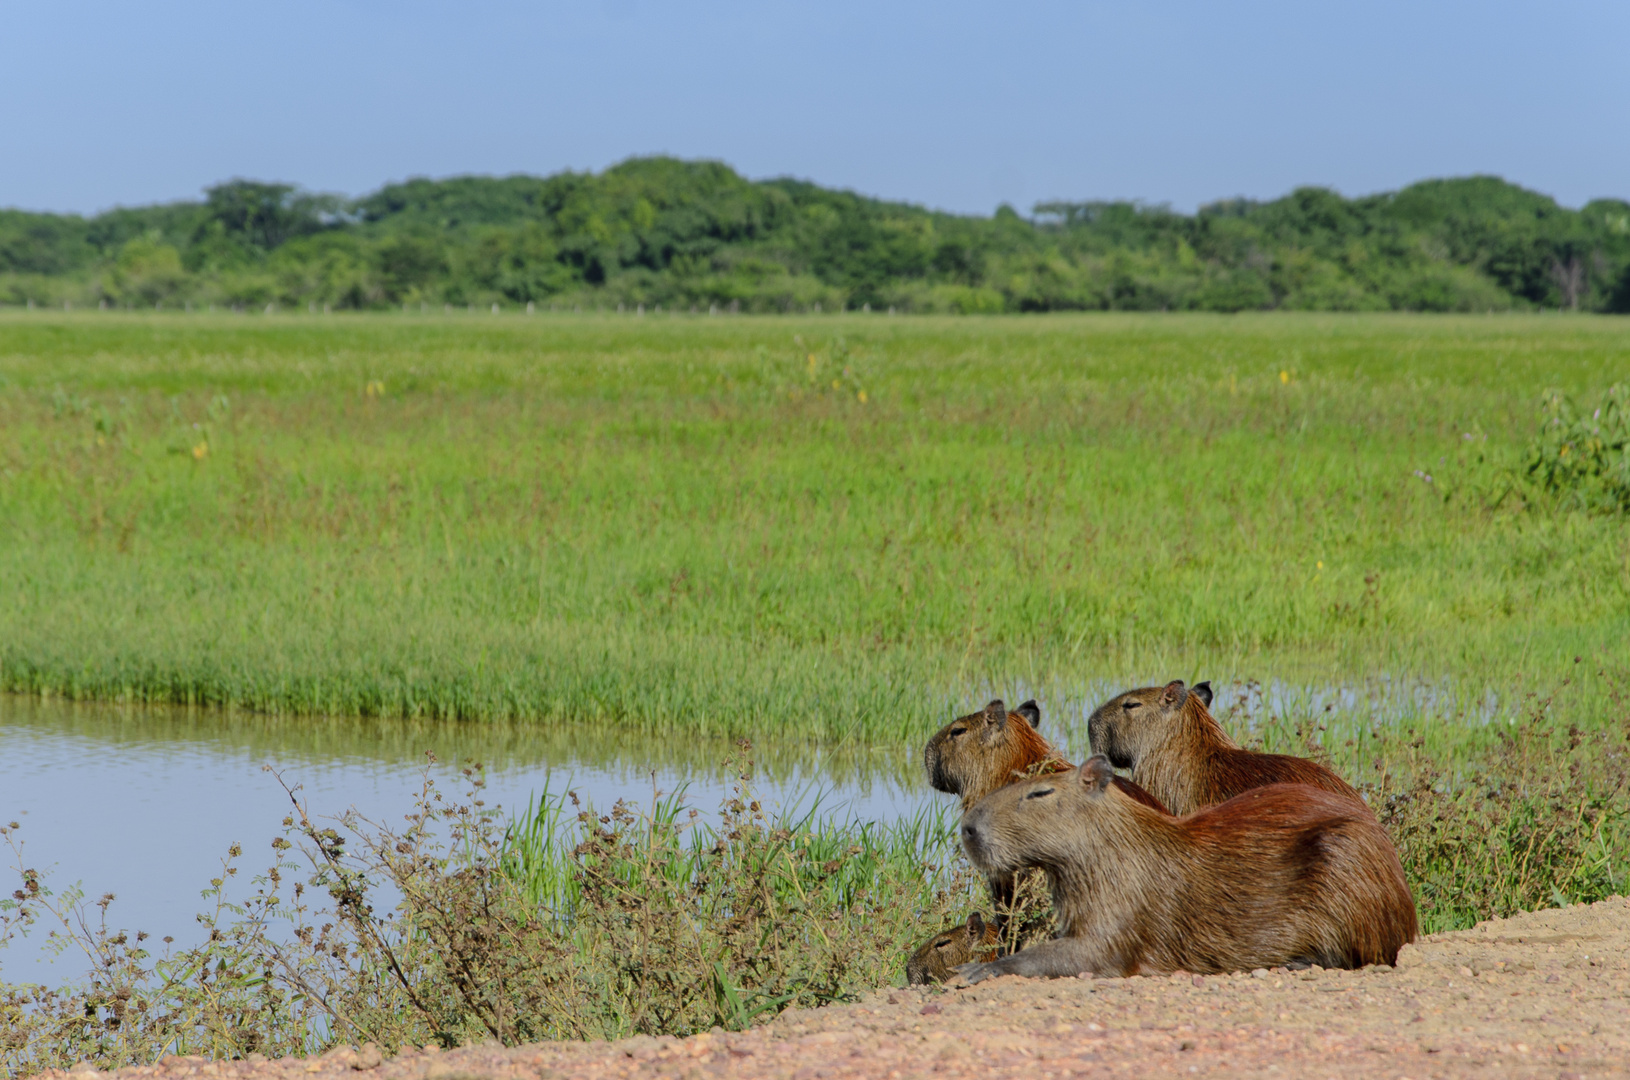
(459, 928)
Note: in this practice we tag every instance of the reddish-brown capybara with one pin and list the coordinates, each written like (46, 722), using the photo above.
(974, 755)
(1179, 753)
(1283, 875)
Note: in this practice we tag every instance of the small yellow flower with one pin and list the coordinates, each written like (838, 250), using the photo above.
(376, 388)
(862, 396)
(1321, 564)
(1284, 376)
(836, 384)
(199, 451)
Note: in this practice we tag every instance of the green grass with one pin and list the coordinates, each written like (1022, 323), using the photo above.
(697, 526)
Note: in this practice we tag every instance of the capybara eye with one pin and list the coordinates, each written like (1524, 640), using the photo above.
(1130, 705)
(942, 944)
(1040, 793)
(957, 731)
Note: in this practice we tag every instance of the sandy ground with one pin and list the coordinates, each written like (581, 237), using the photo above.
(1545, 994)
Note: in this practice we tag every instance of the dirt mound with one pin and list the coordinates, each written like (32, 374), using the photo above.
(1546, 994)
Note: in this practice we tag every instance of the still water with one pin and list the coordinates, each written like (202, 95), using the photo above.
(144, 802)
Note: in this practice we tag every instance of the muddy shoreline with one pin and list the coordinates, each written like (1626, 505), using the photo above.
(1543, 994)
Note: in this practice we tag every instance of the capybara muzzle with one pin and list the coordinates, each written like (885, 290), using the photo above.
(974, 841)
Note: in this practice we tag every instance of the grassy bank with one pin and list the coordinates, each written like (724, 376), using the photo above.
(838, 527)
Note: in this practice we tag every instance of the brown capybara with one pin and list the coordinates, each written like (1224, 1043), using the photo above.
(1179, 753)
(974, 755)
(1282, 875)
(962, 944)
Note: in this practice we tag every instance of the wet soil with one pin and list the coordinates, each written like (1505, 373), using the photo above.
(1545, 994)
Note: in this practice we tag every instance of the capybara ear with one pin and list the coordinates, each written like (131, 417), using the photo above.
(1096, 773)
(1202, 690)
(1031, 712)
(996, 712)
(1174, 694)
(976, 926)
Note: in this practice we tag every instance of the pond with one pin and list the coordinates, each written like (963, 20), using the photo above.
(143, 802)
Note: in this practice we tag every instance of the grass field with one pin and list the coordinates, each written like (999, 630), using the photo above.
(830, 528)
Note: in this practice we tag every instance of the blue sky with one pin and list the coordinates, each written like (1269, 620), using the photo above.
(951, 104)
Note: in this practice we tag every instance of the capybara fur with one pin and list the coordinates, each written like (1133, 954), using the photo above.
(935, 959)
(1283, 875)
(1179, 753)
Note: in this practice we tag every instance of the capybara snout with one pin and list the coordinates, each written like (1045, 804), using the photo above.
(972, 842)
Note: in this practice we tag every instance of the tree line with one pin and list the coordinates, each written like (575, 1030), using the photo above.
(694, 234)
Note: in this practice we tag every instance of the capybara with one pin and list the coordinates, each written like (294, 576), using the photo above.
(1179, 753)
(1282, 875)
(962, 944)
(974, 755)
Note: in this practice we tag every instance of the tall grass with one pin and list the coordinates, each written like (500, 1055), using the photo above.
(831, 528)
(541, 845)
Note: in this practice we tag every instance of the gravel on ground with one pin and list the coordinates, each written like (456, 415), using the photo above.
(1544, 994)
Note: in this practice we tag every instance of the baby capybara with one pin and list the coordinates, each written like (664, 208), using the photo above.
(1179, 753)
(1282, 875)
(936, 958)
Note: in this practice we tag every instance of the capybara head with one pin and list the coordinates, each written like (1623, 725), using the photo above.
(977, 753)
(1047, 822)
(974, 940)
(1132, 725)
